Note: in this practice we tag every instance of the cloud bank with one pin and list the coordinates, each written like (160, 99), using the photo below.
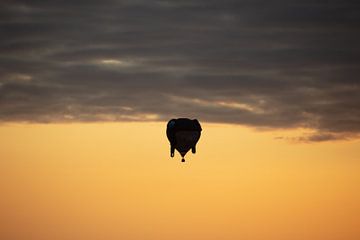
(265, 64)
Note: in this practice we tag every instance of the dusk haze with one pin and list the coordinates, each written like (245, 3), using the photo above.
(180, 120)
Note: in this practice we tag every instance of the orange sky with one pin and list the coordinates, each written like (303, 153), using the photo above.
(117, 181)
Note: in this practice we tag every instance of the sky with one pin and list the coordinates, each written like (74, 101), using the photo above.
(264, 64)
(86, 89)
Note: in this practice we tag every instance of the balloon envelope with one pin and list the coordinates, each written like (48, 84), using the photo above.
(183, 135)
(185, 140)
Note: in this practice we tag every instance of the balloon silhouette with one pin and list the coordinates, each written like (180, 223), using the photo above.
(183, 134)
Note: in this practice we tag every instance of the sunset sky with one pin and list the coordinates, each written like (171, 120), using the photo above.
(86, 90)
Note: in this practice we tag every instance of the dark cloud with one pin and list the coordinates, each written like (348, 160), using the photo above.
(266, 64)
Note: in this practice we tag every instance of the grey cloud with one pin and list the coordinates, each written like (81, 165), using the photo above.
(265, 64)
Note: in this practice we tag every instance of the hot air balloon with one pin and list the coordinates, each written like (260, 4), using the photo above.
(183, 134)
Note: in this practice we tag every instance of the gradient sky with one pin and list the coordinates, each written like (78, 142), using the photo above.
(86, 88)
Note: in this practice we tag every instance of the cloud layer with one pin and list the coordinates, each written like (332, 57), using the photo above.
(266, 64)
